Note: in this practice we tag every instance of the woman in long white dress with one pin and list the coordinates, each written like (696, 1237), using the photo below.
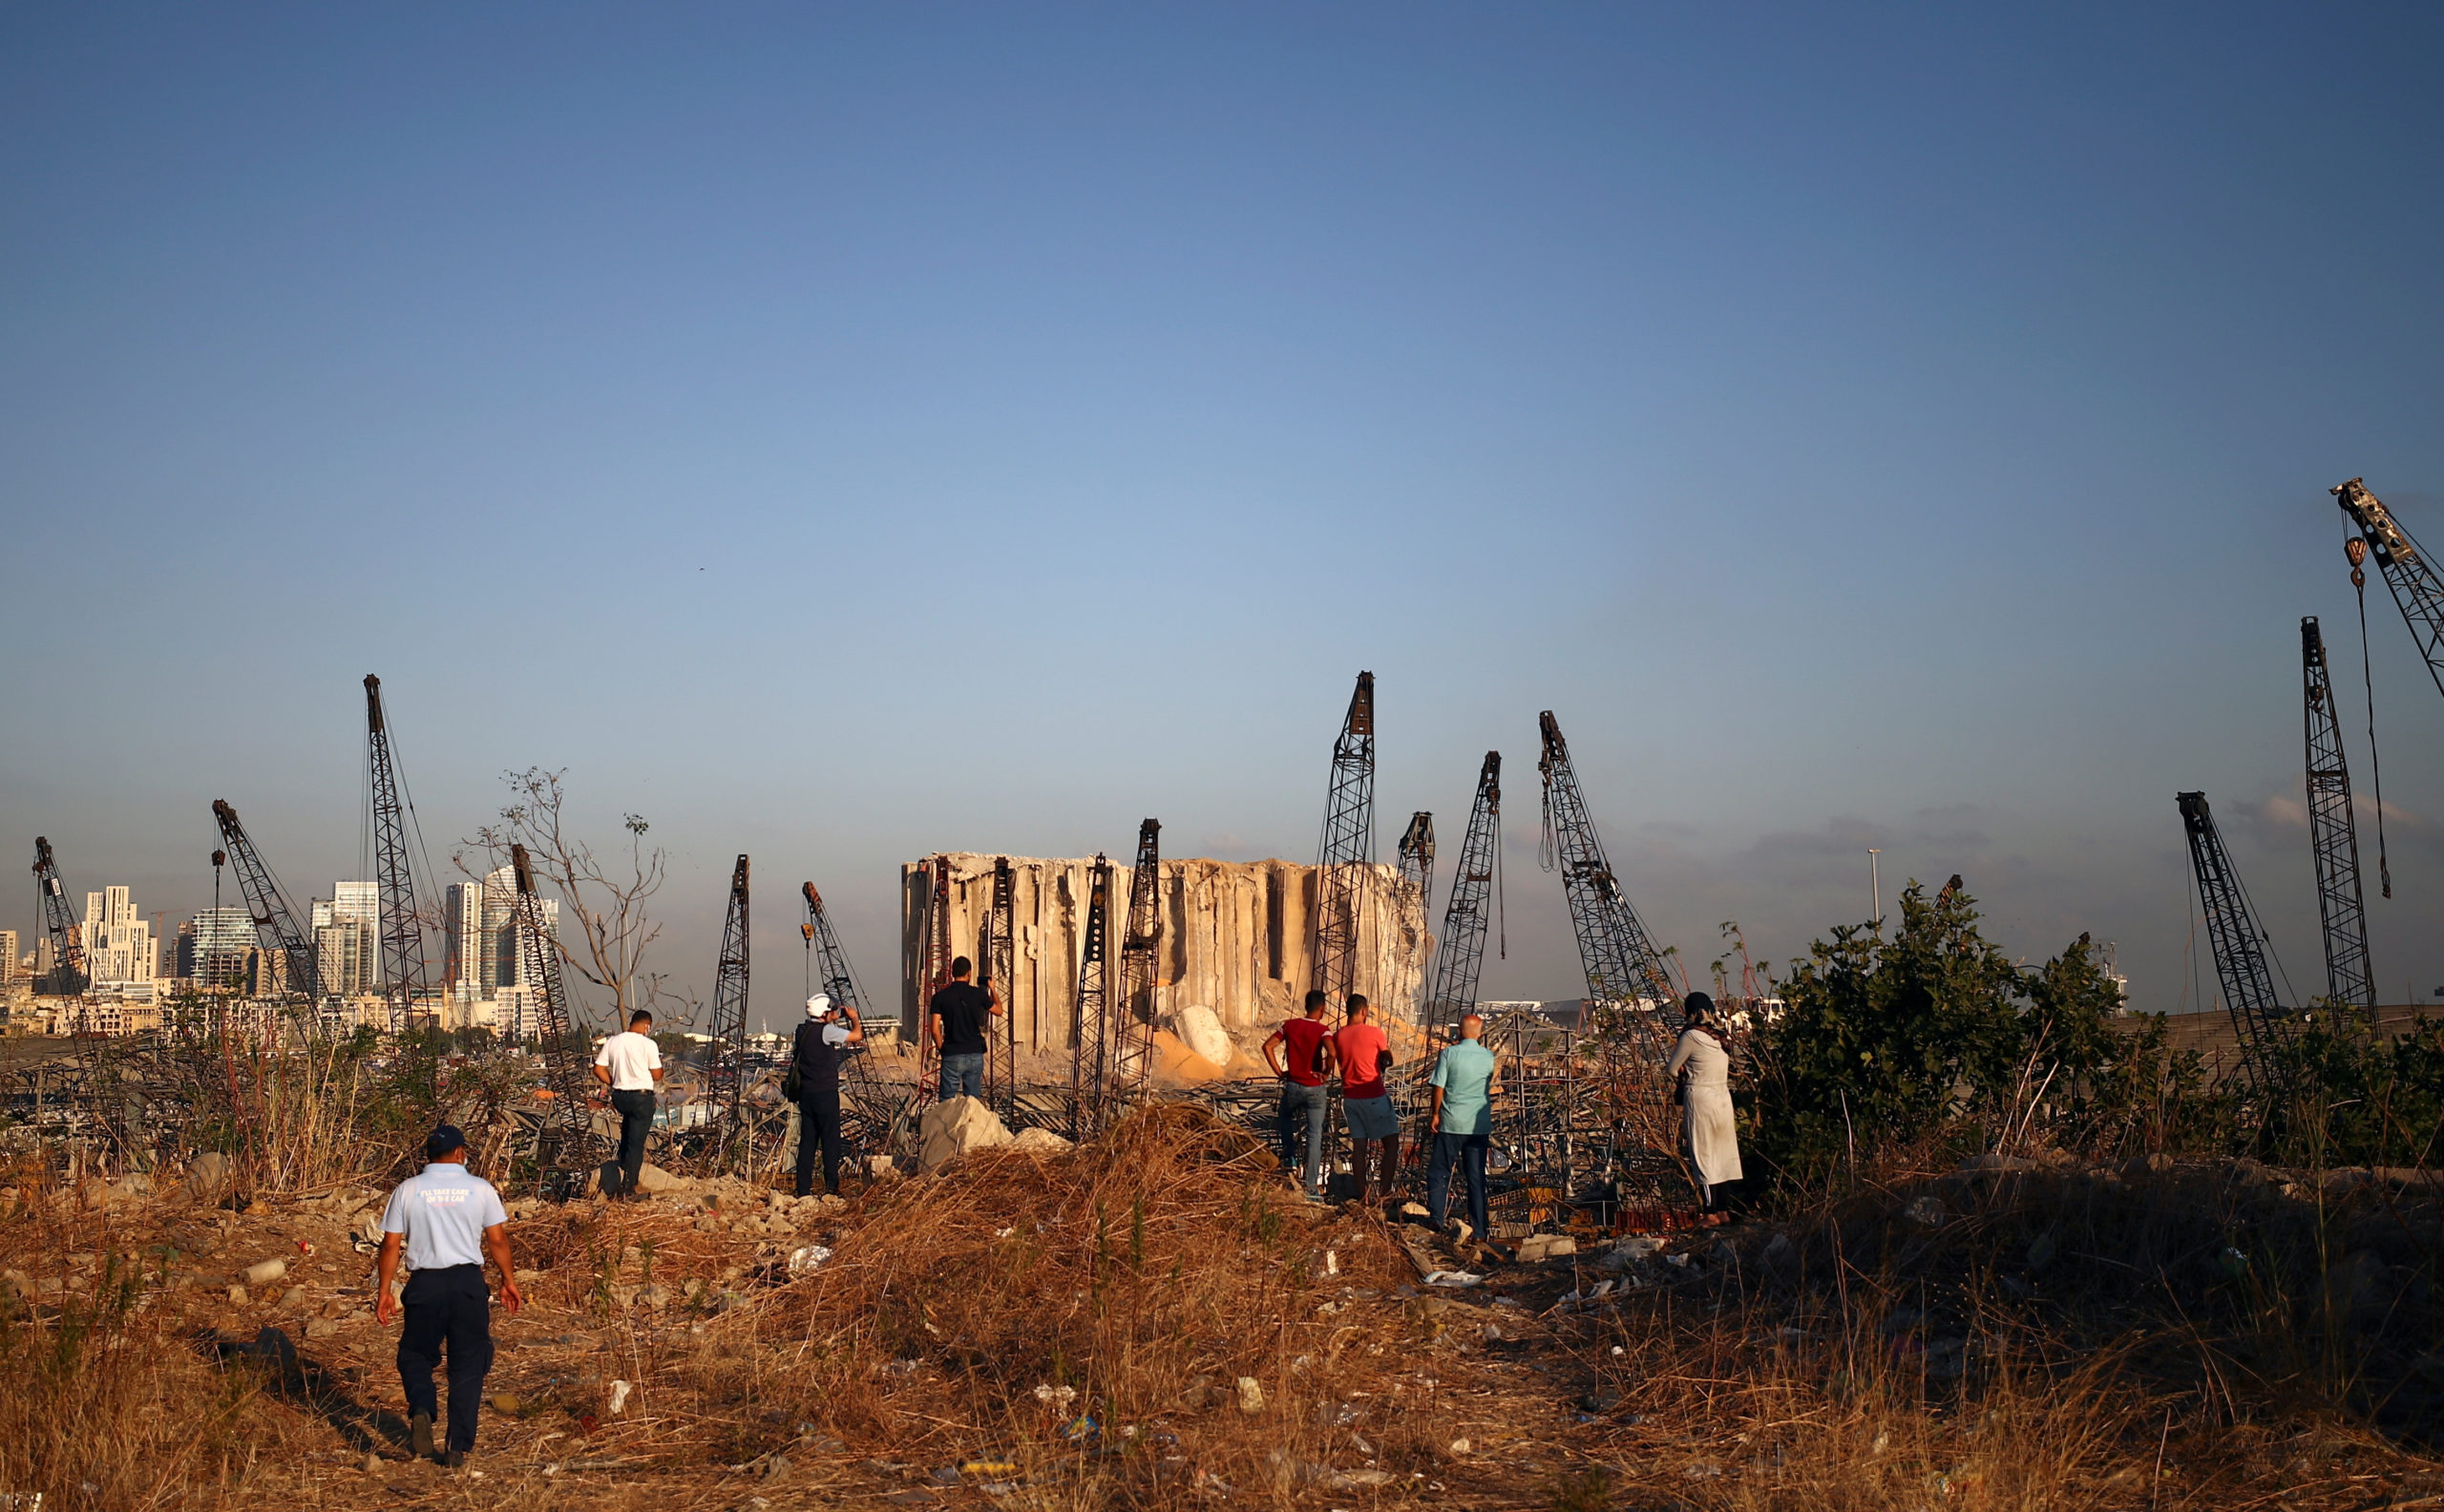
(1700, 1066)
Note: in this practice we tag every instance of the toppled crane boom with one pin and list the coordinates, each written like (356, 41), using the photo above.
(2333, 836)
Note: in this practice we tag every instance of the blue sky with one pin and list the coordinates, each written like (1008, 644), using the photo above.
(840, 433)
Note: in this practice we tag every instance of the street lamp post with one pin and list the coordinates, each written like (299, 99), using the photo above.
(1875, 887)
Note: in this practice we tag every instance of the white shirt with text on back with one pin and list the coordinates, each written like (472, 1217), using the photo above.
(440, 1216)
(632, 1059)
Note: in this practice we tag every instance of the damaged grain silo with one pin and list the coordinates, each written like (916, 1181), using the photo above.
(1236, 936)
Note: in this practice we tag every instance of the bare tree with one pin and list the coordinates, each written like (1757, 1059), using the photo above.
(603, 906)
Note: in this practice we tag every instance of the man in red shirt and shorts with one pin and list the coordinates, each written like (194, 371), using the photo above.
(1306, 1084)
(1365, 1052)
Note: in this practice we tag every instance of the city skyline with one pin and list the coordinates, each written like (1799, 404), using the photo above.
(840, 436)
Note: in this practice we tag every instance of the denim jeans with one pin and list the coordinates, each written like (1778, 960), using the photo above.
(1307, 1105)
(1468, 1150)
(962, 1076)
(636, 1122)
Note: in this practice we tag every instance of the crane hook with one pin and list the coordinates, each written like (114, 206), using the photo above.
(2356, 549)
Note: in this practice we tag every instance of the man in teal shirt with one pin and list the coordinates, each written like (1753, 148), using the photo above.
(1465, 1081)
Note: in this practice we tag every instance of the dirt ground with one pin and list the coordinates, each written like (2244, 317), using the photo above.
(1157, 1320)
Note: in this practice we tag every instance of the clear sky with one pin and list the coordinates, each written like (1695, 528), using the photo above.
(837, 434)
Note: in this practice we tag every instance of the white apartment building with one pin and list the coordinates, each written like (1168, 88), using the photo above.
(8, 966)
(120, 959)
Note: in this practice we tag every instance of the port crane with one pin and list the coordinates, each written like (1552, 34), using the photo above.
(2333, 836)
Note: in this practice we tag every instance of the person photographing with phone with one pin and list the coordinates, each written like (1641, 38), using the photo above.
(829, 1036)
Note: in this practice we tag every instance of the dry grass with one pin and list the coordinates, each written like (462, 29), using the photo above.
(1853, 1356)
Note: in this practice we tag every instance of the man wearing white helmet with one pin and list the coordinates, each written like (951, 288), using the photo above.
(829, 1037)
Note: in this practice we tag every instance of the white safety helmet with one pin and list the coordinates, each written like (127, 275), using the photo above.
(818, 1006)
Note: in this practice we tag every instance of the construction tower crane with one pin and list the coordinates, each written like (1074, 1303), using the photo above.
(276, 927)
(726, 1060)
(2408, 570)
(998, 949)
(402, 927)
(2232, 931)
(67, 977)
(1090, 1053)
(1620, 957)
(565, 1147)
(2333, 837)
(868, 1109)
(1461, 951)
(1347, 847)
(1132, 1029)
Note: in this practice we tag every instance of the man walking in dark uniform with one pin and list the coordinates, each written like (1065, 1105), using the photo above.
(829, 1036)
(443, 1221)
(956, 1021)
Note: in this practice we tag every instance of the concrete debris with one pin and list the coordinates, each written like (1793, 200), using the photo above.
(620, 1390)
(950, 1130)
(1455, 1278)
(1039, 1142)
(262, 1273)
(1200, 1029)
(1545, 1247)
(210, 1177)
(807, 1258)
(1250, 1395)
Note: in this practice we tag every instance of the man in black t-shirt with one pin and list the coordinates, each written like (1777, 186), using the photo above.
(829, 1036)
(956, 1022)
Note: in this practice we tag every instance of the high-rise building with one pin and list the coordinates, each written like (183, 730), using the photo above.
(118, 945)
(9, 967)
(346, 940)
(487, 960)
(211, 947)
(344, 958)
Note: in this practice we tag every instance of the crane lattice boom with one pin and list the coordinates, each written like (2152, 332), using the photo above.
(402, 925)
(1132, 1029)
(1460, 954)
(566, 1149)
(276, 927)
(2333, 839)
(726, 1061)
(68, 975)
(2408, 570)
(1347, 847)
(1090, 1053)
(2239, 945)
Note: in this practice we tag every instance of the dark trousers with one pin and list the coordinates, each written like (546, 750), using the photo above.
(819, 1124)
(1469, 1152)
(447, 1307)
(636, 1122)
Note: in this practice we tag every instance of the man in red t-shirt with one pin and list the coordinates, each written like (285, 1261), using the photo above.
(1364, 1053)
(1306, 1077)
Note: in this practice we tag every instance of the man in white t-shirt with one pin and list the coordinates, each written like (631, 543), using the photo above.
(441, 1223)
(630, 1065)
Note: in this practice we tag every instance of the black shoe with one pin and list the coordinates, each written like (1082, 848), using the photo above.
(420, 1435)
(457, 1458)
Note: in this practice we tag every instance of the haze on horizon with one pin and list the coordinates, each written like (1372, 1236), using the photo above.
(837, 434)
